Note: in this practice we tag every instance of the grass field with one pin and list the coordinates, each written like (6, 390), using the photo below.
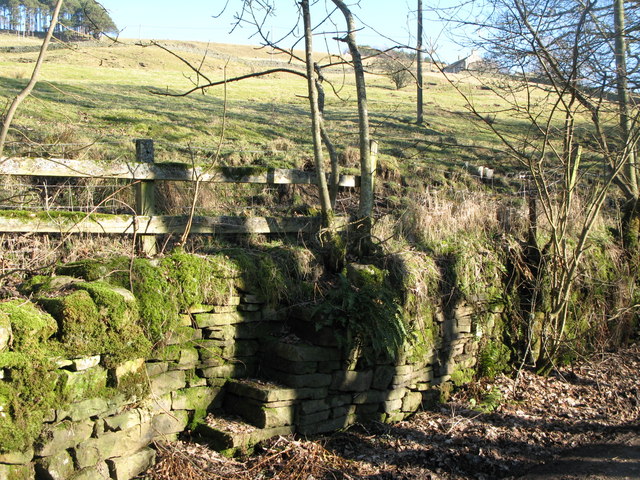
(99, 94)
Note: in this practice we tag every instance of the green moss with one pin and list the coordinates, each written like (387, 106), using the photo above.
(133, 385)
(30, 326)
(201, 280)
(25, 402)
(117, 306)
(90, 270)
(80, 322)
(158, 298)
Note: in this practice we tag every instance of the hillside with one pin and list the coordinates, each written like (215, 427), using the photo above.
(100, 93)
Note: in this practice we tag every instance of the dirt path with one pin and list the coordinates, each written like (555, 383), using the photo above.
(618, 458)
(582, 423)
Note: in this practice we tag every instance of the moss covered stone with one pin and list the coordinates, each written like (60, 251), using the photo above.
(30, 326)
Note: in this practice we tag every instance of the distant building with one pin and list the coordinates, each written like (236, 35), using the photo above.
(472, 62)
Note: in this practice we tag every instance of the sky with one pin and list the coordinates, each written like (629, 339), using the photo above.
(210, 21)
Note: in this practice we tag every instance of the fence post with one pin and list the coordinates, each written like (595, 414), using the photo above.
(145, 195)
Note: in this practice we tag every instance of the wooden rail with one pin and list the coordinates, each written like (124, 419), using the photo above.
(77, 222)
(58, 167)
(146, 222)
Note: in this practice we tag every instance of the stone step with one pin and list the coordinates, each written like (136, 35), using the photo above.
(231, 435)
(263, 404)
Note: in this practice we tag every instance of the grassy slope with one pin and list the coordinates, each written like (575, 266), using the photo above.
(101, 93)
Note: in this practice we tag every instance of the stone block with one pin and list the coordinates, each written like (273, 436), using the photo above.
(312, 393)
(156, 368)
(56, 467)
(195, 381)
(125, 468)
(169, 423)
(76, 385)
(339, 400)
(300, 352)
(396, 394)
(257, 413)
(128, 419)
(211, 350)
(466, 361)
(367, 408)
(85, 363)
(230, 370)
(299, 381)
(188, 358)
(287, 366)
(99, 472)
(125, 369)
(395, 417)
(352, 381)
(167, 382)
(224, 434)
(328, 366)
(312, 418)
(157, 404)
(62, 436)
(421, 375)
(312, 406)
(324, 426)
(252, 299)
(17, 458)
(210, 320)
(262, 391)
(370, 396)
(195, 398)
(113, 444)
(17, 472)
(392, 406)
(411, 402)
(197, 308)
(346, 410)
(182, 334)
(87, 408)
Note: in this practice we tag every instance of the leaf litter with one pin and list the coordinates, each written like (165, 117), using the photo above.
(490, 429)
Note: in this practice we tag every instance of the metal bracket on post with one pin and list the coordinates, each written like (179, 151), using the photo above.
(145, 196)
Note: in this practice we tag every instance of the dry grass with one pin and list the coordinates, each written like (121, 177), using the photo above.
(434, 216)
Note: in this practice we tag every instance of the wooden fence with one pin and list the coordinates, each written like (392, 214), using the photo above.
(146, 222)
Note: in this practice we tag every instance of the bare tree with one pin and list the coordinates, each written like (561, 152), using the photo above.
(548, 52)
(255, 13)
(13, 108)
(367, 168)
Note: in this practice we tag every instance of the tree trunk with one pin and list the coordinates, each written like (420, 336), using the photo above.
(420, 114)
(316, 119)
(630, 220)
(367, 168)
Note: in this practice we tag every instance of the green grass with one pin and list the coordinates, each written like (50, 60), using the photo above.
(100, 92)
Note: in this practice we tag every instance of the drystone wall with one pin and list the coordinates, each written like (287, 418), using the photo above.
(237, 373)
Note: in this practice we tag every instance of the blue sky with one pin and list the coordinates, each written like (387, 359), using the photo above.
(194, 20)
